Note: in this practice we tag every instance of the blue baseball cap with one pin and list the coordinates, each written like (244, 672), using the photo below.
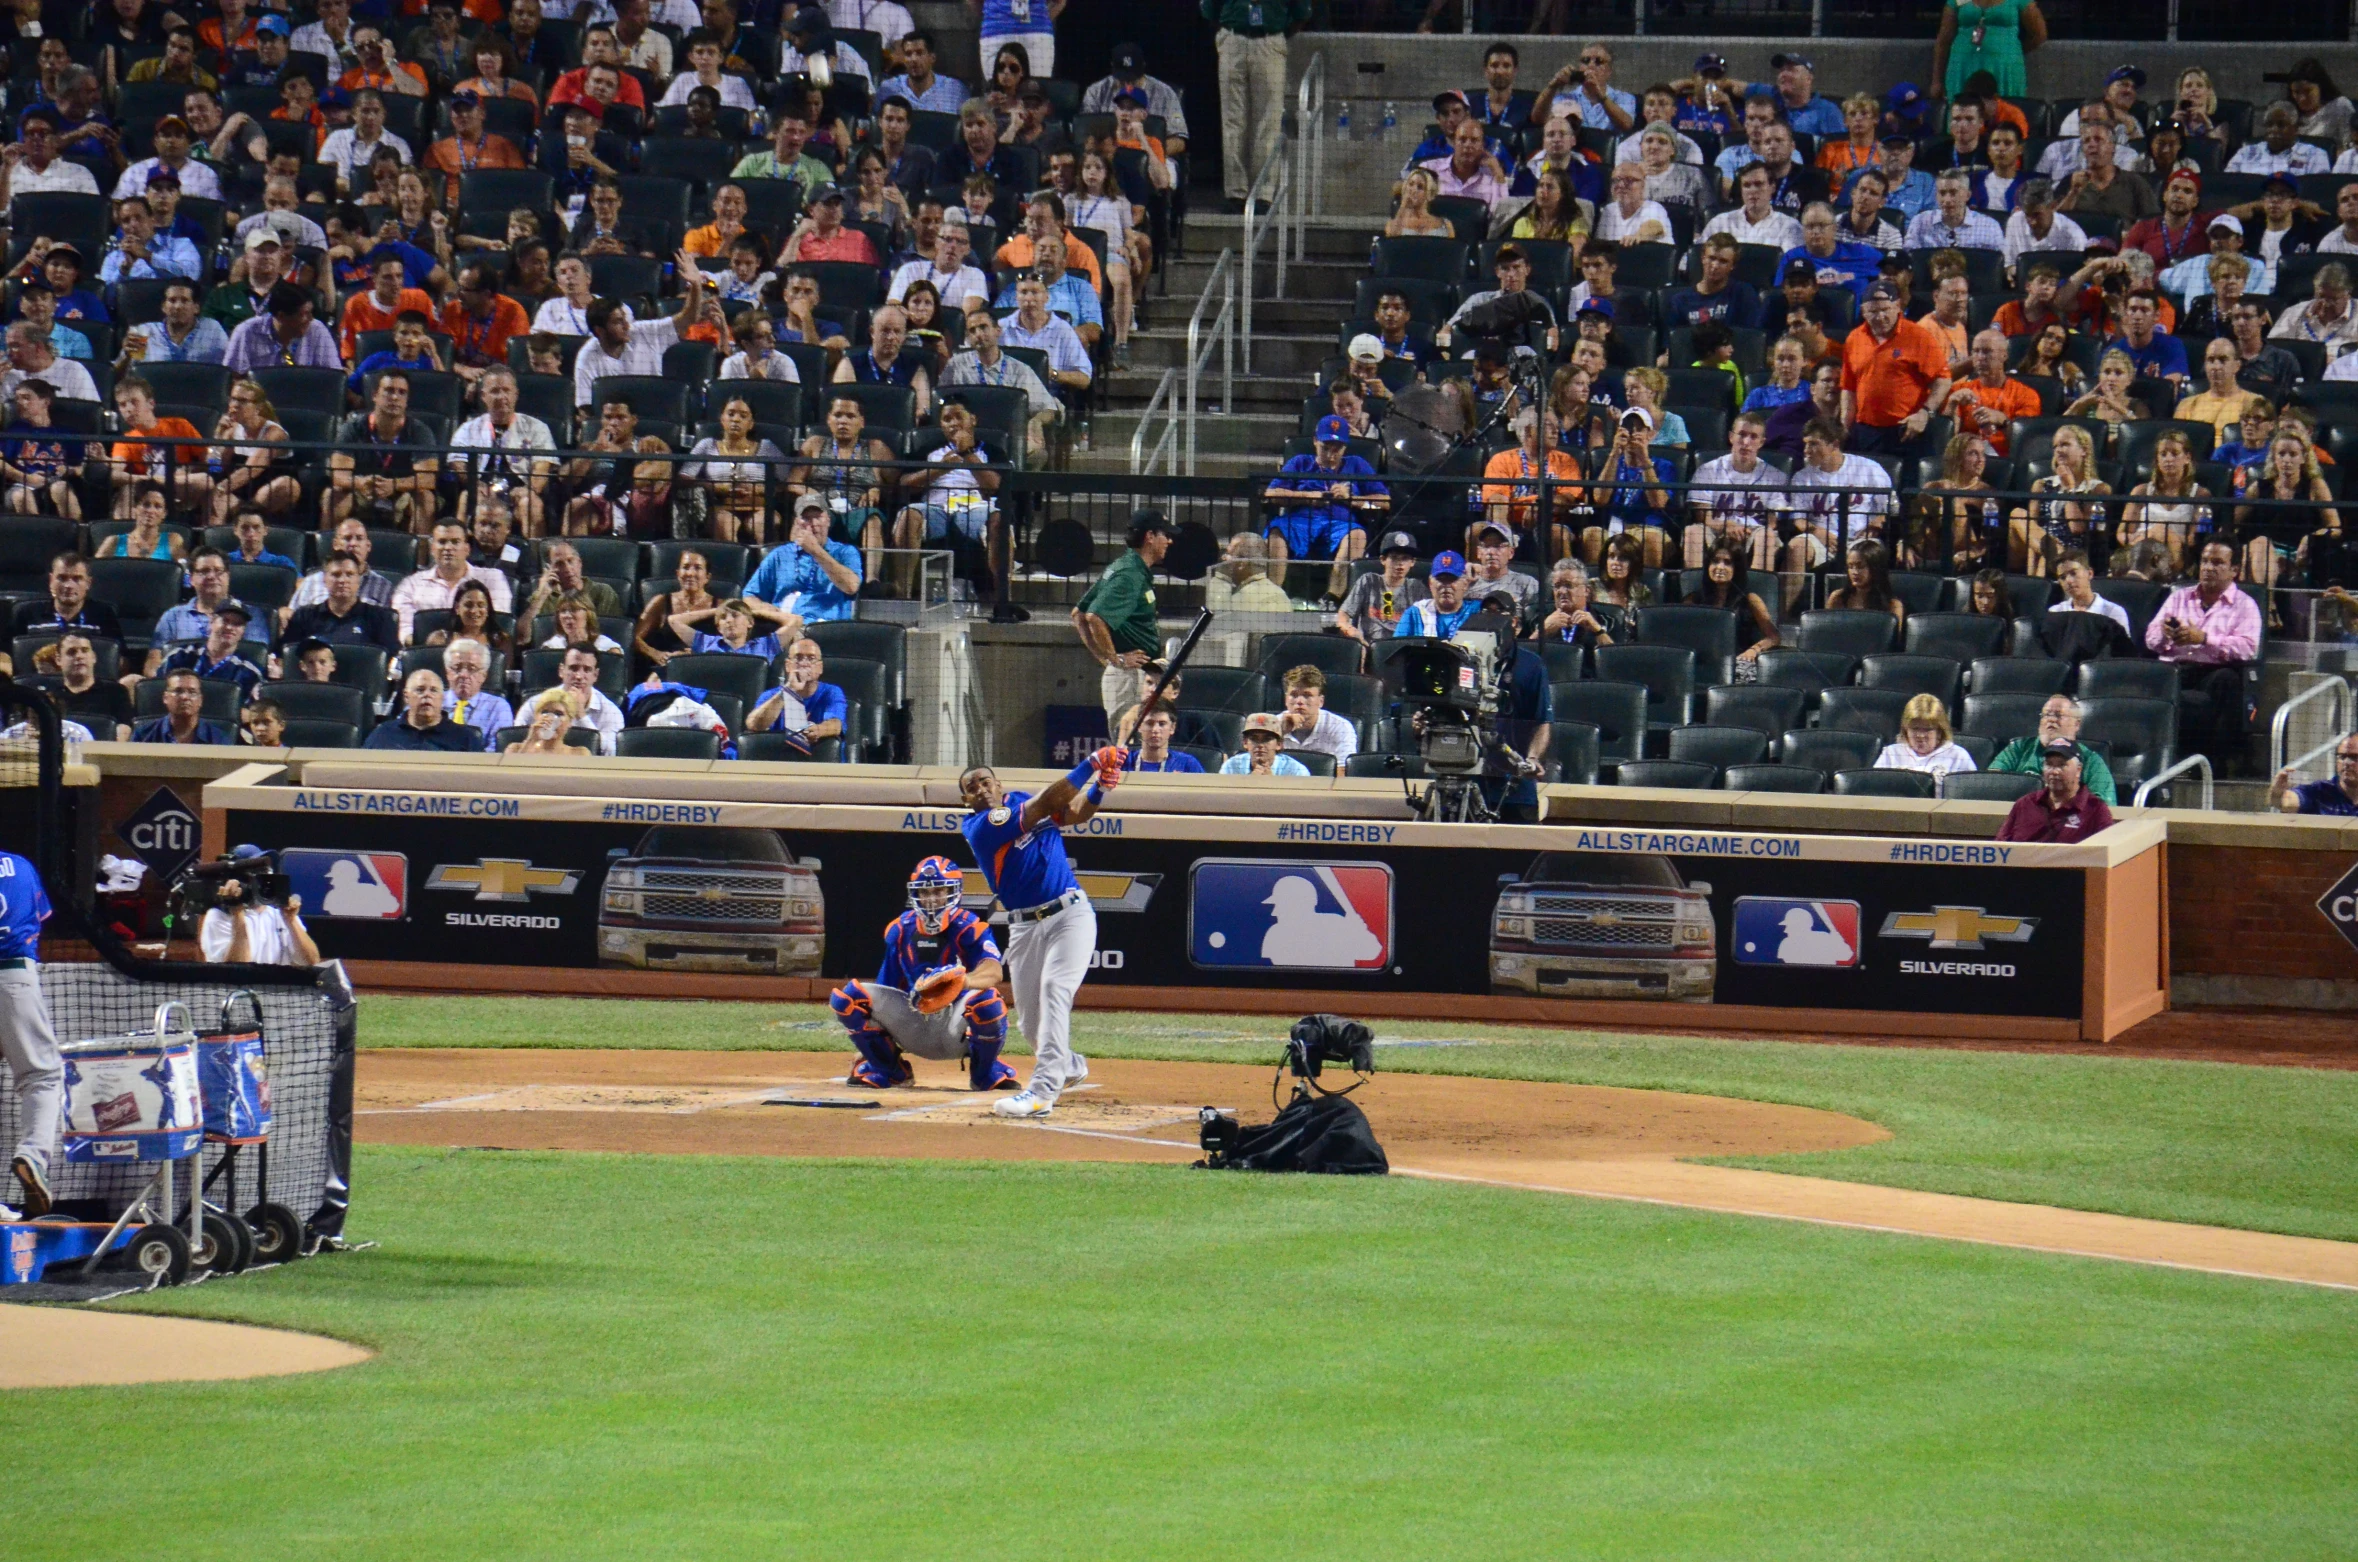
(1448, 562)
(1331, 430)
(275, 25)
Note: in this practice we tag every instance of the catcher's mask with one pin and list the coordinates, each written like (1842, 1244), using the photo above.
(934, 888)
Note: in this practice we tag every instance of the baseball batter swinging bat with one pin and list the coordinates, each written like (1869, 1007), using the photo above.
(1154, 696)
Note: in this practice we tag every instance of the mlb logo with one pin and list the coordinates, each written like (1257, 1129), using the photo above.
(353, 886)
(1818, 933)
(1255, 914)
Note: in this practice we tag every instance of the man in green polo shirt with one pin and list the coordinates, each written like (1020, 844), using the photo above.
(2059, 721)
(1251, 45)
(1117, 620)
(786, 159)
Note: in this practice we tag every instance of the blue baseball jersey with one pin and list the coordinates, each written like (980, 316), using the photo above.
(1026, 868)
(24, 906)
(910, 952)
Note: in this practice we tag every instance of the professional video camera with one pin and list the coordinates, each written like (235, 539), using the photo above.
(256, 873)
(1318, 1130)
(1450, 691)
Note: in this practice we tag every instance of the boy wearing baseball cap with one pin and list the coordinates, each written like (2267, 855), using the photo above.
(1329, 490)
(1264, 752)
(1372, 608)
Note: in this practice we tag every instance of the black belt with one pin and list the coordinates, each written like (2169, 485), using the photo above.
(20, 963)
(1030, 914)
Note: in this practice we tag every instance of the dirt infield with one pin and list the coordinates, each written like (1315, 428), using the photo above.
(73, 1347)
(1584, 1139)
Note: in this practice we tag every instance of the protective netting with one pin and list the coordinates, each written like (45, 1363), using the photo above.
(307, 1034)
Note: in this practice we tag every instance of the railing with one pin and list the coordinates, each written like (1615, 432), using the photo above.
(1176, 397)
(2331, 688)
(1278, 167)
(2196, 762)
(1309, 148)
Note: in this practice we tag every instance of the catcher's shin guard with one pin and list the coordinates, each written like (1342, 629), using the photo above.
(986, 1033)
(876, 1047)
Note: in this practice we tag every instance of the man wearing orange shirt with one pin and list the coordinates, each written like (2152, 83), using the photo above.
(1042, 217)
(382, 304)
(134, 460)
(1990, 400)
(728, 222)
(379, 69)
(468, 146)
(1895, 378)
(480, 322)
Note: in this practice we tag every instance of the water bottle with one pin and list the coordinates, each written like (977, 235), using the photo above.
(1343, 121)
(757, 123)
(1989, 516)
(213, 462)
(1391, 120)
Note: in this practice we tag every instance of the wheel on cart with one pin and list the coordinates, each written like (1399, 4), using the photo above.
(160, 1252)
(224, 1245)
(278, 1235)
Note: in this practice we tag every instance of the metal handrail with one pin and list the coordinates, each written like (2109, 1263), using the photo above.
(1278, 163)
(2333, 689)
(2200, 762)
(1310, 148)
(1142, 460)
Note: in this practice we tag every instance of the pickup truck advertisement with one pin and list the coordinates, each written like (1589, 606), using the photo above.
(1539, 911)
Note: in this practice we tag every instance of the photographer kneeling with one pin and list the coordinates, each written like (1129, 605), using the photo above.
(234, 932)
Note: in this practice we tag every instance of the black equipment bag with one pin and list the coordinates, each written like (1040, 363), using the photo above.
(1316, 1133)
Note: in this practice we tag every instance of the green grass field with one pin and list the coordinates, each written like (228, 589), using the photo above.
(593, 1356)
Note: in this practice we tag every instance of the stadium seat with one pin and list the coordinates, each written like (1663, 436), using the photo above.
(2141, 735)
(324, 702)
(724, 672)
(1773, 778)
(1242, 690)
(1987, 786)
(868, 687)
(1767, 707)
(1911, 675)
(1962, 637)
(1316, 763)
(778, 746)
(1808, 671)
(140, 590)
(2140, 599)
(2116, 678)
(1884, 783)
(1330, 654)
(307, 733)
(1572, 749)
(1680, 774)
(582, 738)
(1982, 749)
(1863, 710)
(1848, 632)
(1917, 591)
(1719, 746)
(1616, 710)
(2017, 675)
(666, 743)
(1371, 764)
(887, 645)
(108, 655)
(1709, 632)
(1428, 259)
(2003, 717)
(729, 561)
(1830, 749)
(1666, 672)
(1221, 731)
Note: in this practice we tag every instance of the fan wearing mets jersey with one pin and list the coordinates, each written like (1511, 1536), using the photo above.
(1018, 840)
(886, 1025)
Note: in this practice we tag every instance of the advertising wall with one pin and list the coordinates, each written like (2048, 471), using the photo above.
(1573, 912)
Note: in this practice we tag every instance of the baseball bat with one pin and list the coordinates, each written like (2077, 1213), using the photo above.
(1187, 644)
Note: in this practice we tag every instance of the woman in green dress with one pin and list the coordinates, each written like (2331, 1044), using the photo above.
(1990, 35)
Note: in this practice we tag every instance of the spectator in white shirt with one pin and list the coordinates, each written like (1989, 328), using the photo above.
(577, 675)
(434, 587)
(1925, 743)
(1756, 221)
(2280, 149)
(31, 357)
(1629, 218)
(757, 356)
(2037, 225)
(32, 166)
(620, 345)
(959, 284)
(1307, 723)
(2078, 580)
(349, 150)
(1839, 498)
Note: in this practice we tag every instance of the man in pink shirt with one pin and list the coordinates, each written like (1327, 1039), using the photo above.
(1469, 169)
(2210, 630)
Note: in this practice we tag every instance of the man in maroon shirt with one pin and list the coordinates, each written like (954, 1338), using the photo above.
(2062, 810)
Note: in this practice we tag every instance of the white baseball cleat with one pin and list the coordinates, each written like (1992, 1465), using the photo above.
(1078, 1072)
(1022, 1104)
(8, 1215)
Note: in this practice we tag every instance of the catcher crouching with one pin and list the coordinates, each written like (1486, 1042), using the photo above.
(936, 995)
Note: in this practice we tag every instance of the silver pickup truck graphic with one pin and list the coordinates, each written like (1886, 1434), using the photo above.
(705, 898)
(1603, 925)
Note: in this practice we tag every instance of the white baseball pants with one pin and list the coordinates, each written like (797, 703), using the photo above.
(38, 1072)
(1048, 962)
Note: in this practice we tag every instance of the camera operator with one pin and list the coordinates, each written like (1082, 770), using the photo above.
(1526, 706)
(263, 933)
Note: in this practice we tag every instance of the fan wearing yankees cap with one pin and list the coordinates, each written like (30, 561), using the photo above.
(1326, 494)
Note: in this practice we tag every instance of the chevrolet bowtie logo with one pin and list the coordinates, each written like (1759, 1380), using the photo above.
(507, 879)
(1959, 927)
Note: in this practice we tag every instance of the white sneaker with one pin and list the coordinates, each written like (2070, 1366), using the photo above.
(1078, 1072)
(9, 1215)
(1021, 1104)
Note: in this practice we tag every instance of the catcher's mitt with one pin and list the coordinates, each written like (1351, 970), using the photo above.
(937, 989)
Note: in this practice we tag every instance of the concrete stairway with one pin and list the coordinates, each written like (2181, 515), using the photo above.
(1292, 337)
